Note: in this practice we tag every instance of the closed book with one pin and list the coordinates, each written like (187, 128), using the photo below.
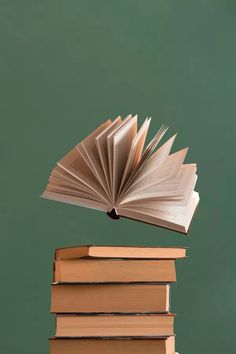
(134, 325)
(114, 270)
(113, 346)
(106, 298)
(135, 252)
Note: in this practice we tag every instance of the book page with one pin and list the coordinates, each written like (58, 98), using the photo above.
(90, 138)
(152, 145)
(110, 147)
(67, 179)
(155, 161)
(145, 157)
(135, 151)
(159, 157)
(173, 187)
(177, 218)
(57, 183)
(122, 141)
(101, 143)
(74, 164)
(57, 188)
(88, 150)
(168, 170)
(150, 201)
(54, 182)
(75, 201)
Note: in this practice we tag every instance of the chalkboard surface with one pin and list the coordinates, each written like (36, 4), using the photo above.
(65, 67)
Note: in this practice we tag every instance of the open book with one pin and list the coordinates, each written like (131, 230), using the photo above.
(112, 171)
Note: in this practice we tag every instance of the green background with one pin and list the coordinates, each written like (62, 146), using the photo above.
(65, 67)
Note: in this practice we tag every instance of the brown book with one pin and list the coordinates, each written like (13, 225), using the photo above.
(93, 251)
(111, 170)
(115, 325)
(113, 346)
(114, 270)
(107, 298)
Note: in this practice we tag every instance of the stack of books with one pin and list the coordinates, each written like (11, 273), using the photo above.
(115, 300)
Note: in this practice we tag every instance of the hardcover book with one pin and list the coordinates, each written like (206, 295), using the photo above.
(114, 270)
(93, 345)
(110, 298)
(135, 325)
(123, 252)
(111, 170)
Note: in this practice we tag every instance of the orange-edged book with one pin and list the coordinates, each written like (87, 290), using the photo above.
(110, 298)
(126, 345)
(113, 171)
(123, 252)
(114, 270)
(107, 325)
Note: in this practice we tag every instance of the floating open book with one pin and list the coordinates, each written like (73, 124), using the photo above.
(110, 170)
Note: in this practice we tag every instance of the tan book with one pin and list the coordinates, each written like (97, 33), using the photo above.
(113, 346)
(115, 325)
(125, 252)
(113, 270)
(111, 170)
(120, 298)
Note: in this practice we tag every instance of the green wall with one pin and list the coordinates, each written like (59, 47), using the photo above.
(66, 66)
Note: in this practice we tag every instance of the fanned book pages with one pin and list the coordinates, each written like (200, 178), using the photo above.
(112, 170)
